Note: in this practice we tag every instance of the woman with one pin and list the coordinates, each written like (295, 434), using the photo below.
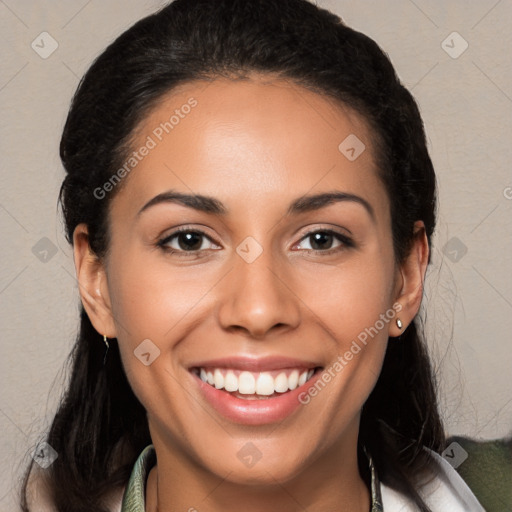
(251, 204)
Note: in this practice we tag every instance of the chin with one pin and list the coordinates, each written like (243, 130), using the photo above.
(253, 467)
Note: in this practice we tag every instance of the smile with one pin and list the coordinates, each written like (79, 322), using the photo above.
(254, 390)
(254, 385)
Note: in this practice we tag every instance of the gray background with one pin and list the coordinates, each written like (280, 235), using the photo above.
(466, 102)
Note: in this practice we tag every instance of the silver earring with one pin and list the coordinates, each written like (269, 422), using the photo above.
(106, 343)
(399, 323)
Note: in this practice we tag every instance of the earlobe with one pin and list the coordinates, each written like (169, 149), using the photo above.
(412, 272)
(92, 283)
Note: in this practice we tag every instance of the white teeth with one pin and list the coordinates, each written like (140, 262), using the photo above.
(218, 379)
(249, 383)
(265, 384)
(246, 383)
(293, 379)
(230, 382)
(281, 383)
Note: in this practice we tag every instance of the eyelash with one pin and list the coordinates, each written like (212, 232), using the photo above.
(345, 241)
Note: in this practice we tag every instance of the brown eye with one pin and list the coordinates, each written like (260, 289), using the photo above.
(187, 240)
(323, 240)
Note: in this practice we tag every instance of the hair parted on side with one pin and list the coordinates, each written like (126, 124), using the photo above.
(100, 427)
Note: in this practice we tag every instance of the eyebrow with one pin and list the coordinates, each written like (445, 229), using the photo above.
(211, 205)
(315, 202)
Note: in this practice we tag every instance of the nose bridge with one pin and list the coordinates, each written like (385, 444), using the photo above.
(256, 297)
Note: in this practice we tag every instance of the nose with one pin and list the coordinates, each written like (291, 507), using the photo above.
(258, 297)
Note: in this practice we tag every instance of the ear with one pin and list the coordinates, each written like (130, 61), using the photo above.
(92, 283)
(409, 286)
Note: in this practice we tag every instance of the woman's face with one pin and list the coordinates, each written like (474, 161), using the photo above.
(268, 282)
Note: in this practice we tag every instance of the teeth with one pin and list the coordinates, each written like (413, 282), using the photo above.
(281, 383)
(249, 383)
(293, 379)
(265, 384)
(246, 384)
(230, 382)
(218, 379)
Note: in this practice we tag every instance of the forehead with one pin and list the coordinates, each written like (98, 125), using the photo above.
(258, 138)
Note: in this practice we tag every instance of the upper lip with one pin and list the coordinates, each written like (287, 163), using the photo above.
(255, 364)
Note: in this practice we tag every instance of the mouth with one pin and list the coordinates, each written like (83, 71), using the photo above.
(250, 385)
(254, 390)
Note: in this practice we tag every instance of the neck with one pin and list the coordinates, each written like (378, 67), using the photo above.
(331, 482)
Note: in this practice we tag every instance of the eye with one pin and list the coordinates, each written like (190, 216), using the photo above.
(187, 240)
(322, 241)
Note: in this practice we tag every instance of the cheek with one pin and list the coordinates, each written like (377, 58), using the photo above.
(350, 298)
(355, 309)
(147, 304)
(152, 301)
(149, 297)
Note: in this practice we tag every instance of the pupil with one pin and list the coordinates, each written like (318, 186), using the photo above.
(192, 241)
(320, 237)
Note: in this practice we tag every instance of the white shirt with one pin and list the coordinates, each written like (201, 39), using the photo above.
(446, 492)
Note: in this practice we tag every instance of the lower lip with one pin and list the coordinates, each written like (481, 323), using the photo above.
(254, 412)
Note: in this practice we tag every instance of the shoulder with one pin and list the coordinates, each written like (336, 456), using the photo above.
(486, 467)
(442, 489)
(39, 498)
(37, 493)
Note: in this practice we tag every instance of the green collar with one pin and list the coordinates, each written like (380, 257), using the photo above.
(134, 496)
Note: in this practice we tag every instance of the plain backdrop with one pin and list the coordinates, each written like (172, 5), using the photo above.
(455, 58)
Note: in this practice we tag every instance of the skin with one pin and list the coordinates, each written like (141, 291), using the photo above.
(256, 146)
